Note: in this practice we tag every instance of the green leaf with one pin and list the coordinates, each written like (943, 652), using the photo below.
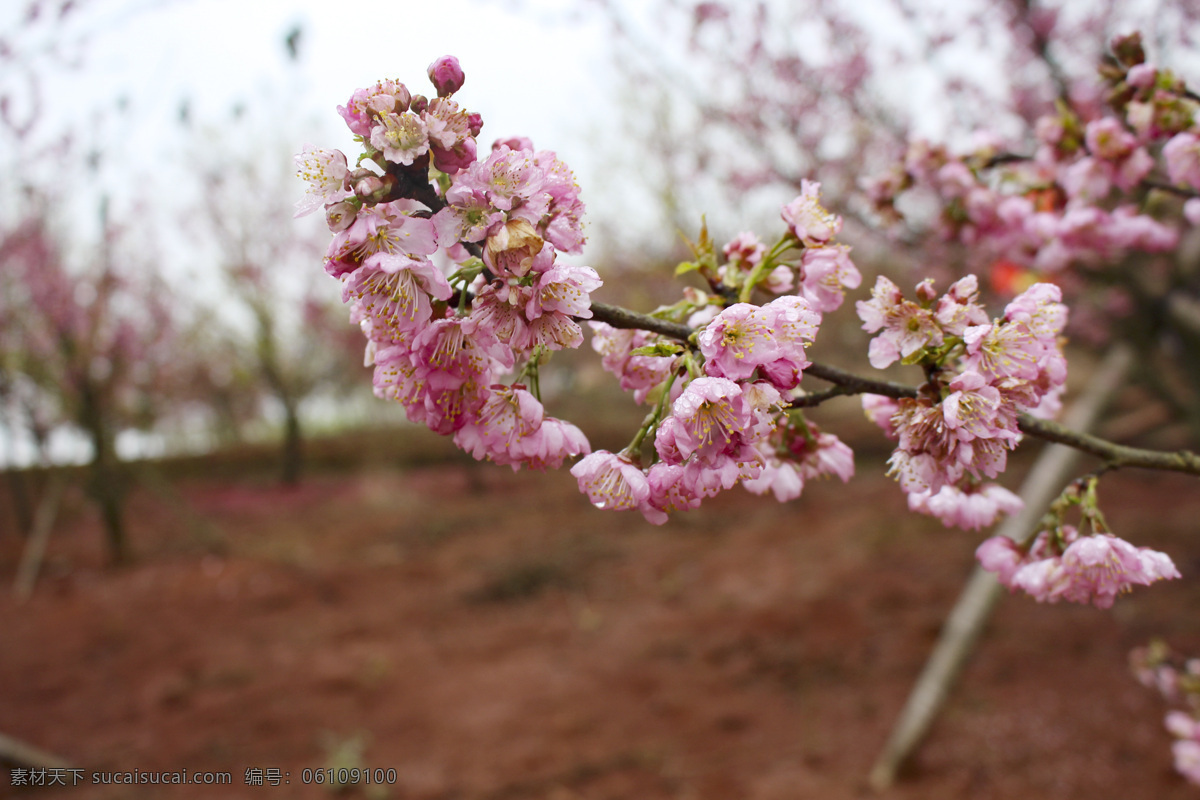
(658, 349)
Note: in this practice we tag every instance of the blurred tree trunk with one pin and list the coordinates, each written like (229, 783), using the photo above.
(19, 491)
(284, 390)
(293, 442)
(106, 486)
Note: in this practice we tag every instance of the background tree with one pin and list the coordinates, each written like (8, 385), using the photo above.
(95, 344)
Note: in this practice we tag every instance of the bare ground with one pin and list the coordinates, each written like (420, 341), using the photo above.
(489, 636)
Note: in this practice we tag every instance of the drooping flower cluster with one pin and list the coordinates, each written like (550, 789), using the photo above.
(959, 429)
(1178, 681)
(1063, 565)
(440, 343)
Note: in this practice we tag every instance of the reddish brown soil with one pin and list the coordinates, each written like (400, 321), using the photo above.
(489, 636)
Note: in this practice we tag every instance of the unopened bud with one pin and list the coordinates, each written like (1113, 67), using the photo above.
(372, 188)
(513, 143)
(1128, 49)
(925, 290)
(474, 123)
(419, 103)
(365, 183)
(446, 75)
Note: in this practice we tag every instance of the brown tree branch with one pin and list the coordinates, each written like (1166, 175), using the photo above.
(846, 383)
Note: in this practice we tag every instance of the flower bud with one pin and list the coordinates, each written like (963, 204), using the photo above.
(446, 75)
(1128, 49)
(419, 103)
(474, 123)
(926, 292)
(365, 182)
(513, 143)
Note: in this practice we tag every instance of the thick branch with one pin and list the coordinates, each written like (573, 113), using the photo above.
(1115, 455)
(849, 384)
(623, 318)
(1163, 186)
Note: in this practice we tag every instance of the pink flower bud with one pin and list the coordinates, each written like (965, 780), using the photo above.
(419, 103)
(513, 143)
(366, 183)
(1141, 76)
(1128, 49)
(474, 123)
(925, 290)
(446, 75)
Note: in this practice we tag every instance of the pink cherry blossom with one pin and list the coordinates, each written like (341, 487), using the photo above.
(637, 374)
(562, 222)
(468, 215)
(905, 326)
(401, 137)
(1000, 555)
(1187, 759)
(564, 289)
(611, 481)
(1191, 211)
(394, 291)
(1182, 725)
(553, 443)
(1106, 138)
(450, 375)
(385, 228)
(1102, 566)
(325, 172)
(793, 325)
(827, 272)
(807, 220)
(508, 416)
(1182, 154)
(792, 459)
(1089, 569)
(970, 509)
(736, 342)
(712, 415)
(881, 410)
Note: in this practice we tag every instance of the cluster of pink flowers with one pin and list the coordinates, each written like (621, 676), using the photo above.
(723, 418)
(1186, 748)
(1074, 201)
(1060, 564)
(984, 373)
(1178, 681)
(440, 344)
(408, 129)
(820, 274)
